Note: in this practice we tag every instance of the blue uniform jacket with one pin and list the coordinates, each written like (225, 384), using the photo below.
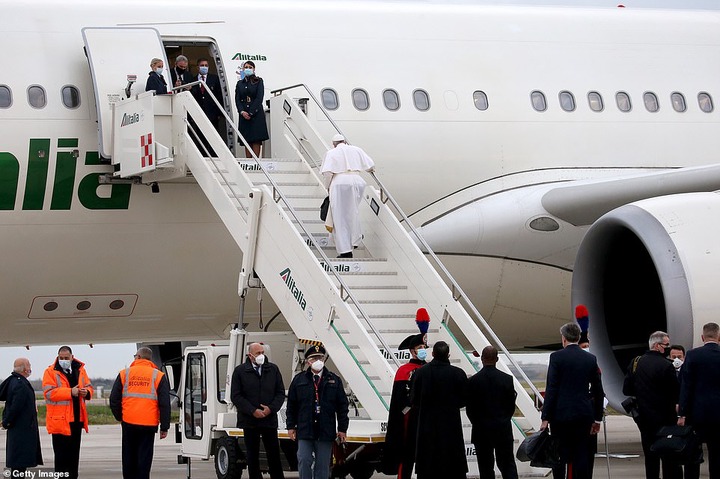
(301, 405)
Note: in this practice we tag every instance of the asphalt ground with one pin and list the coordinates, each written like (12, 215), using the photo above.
(100, 455)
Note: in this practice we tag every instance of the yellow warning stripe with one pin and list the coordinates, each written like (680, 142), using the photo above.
(311, 342)
(368, 438)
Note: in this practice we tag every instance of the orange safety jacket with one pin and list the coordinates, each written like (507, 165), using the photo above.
(139, 393)
(58, 398)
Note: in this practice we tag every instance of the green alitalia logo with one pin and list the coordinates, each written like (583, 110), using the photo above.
(246, 57)
(62, 186)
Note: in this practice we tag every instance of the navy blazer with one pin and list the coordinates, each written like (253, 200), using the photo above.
(156, 83)
(571, 374)
(301, 406)
(700, 385)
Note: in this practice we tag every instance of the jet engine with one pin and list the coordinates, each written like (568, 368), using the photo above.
(647, 266)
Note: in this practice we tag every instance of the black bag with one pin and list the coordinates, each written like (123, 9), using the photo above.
(541, 449)
(679, 444)
(324, 207)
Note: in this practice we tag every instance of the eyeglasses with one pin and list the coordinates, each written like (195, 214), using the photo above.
(665, 345)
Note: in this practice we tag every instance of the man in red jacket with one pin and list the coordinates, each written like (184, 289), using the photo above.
(66, 388)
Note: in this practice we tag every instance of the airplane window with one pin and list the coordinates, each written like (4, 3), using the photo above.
(651, 101)
(36, 96)
(360, 99)
(623, 101)
(421, 100)
(391, 100)
(538, 100)
(595, 101)
(481, 100)
(705, 102)
(678, 102)
(70, 96)
(5, 96)
(567, 101)
(329, 99)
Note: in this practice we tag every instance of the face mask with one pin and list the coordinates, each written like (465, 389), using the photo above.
(422, 354)
(666, 352)
(318, 365)
(587, 350)
(677, 362)
(248, 72)
(159, 70)
(65, 363)
(180, 70)
(203, 70)
(260, 359)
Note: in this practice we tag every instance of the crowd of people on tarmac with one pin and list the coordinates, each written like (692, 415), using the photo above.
(669, 386)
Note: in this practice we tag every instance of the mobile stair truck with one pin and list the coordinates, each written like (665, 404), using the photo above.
(359, 308)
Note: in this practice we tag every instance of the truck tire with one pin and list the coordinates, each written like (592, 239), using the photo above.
(227, 459)
(362, 472)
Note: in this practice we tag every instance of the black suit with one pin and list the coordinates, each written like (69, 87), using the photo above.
(569, 408)
(699, 400)
(185, 77)
(652, 380)
(202, 96)
(490, 405)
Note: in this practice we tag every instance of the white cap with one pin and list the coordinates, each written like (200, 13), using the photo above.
(337, 138)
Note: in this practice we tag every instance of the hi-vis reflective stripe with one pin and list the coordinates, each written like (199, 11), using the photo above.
(311, 342)
(153, 390)
(47, 389)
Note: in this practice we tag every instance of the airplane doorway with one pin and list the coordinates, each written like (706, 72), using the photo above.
(206, 48)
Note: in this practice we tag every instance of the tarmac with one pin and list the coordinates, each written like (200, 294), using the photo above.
(100, 455)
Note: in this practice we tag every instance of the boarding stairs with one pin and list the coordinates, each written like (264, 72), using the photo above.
(360, 308)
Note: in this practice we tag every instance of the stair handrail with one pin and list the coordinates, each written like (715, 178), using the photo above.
(277, 196)
(457, 292)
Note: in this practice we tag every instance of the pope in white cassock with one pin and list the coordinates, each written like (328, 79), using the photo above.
(341, 171)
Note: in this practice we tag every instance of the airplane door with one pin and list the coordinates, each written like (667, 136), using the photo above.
(117, 56)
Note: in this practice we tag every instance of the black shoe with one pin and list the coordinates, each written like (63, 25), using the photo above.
(346, 255)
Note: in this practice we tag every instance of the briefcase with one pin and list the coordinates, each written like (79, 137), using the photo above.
(541, 449)
(679, 444)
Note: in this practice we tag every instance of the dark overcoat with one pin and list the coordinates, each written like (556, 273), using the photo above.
(490, 403)
(333, 406)
(700, 388)
(438, 391)
(249, 96)
(20, 419)
(156, 83)
(250, 390)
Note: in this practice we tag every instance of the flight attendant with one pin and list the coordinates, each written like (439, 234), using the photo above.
(249, 93)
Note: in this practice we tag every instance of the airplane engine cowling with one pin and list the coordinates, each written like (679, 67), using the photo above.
(647, 266)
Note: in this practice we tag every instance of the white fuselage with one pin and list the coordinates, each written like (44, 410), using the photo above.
(170, 256)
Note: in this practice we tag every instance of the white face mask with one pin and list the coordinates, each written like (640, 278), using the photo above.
(65, 363)
(677, 362)
(159, 70)
(260, 359)
(318, 365)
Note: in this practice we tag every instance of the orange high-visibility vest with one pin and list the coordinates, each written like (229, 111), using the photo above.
(139, 394)
(58, 398)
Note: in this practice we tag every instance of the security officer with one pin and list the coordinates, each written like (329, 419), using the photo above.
(66, 387)
(316, 398)
(140, 398)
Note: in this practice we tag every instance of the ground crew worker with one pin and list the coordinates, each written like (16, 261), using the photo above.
(66, 388)
(140, 398)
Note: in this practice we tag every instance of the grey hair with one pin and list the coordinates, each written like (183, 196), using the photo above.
(144, 353)
(657, 338)
(181, 58)
(571, 332)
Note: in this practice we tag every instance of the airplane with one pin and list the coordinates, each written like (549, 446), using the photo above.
(552, 156)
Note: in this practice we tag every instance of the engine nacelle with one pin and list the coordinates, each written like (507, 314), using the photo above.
(647, 266)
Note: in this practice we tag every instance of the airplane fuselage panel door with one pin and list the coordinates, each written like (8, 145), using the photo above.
(116, 55)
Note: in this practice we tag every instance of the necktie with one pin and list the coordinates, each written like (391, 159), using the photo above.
(257, 370)
(316, 378)
(202, 86)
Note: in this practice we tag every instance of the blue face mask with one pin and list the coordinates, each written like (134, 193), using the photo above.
(203, 70)
(159, 70)
(422, 354)
(248, 72)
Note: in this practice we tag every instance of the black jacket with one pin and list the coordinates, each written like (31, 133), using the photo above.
(333, 404)
(250, 390)
(156, 83)
(572, 373)
(655, 385)
(205, 100)
(490, 401)
(700, 389)
(185, 77)
(163, 398)
(20, 419)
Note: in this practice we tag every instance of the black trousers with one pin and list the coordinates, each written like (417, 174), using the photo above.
(712, 440)
(67, 450)
(272, 449)
(500, 442)
(574, 441)
(137, 450)
(648, 435)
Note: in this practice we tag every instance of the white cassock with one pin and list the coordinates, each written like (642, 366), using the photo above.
(341, 170)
